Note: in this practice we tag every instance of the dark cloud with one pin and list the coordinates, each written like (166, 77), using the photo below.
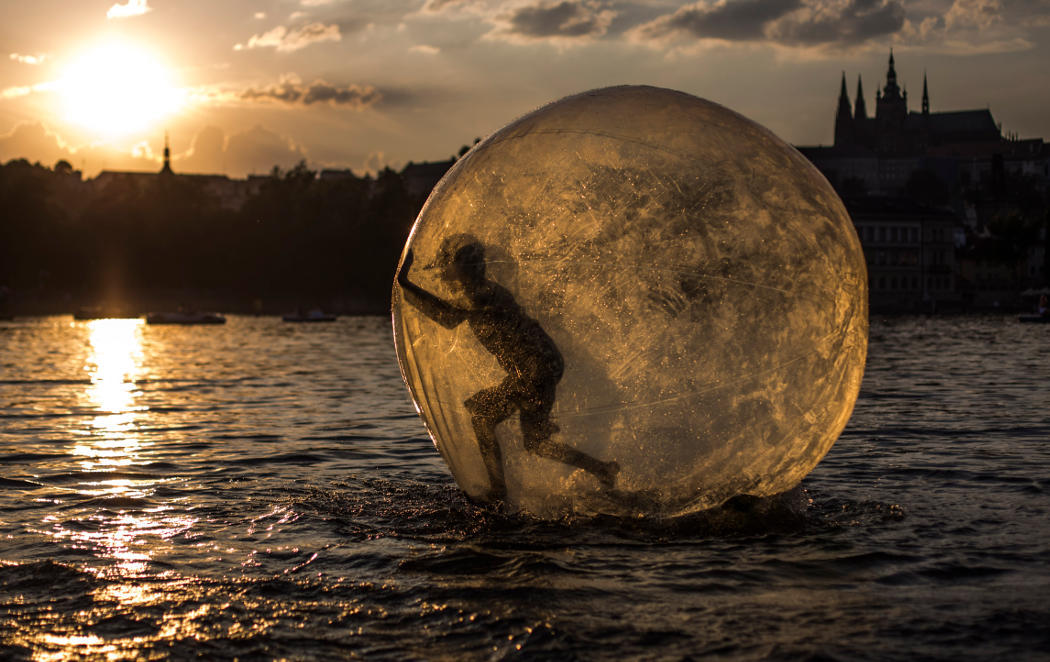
(743, 20)
(319, 91)
(854, 23)
(789, 22)
(566, 19)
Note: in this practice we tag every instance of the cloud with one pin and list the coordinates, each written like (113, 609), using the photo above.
(743, 20)
(291, 91)
(258, 150)
(25, 90)
(286, 41)
(28, 59)
(842, 23)
(975, 27)
(33, 141)
(561, 20)
(424, 49)
(785, 22)
(980, 14)
(129, 9)
(207, 152)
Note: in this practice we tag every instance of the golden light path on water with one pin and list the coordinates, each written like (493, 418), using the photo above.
(118, 521)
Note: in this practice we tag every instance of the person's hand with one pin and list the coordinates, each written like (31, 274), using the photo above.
(402, 275)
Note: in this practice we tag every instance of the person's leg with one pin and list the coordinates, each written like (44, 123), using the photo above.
(537, 428)
(488, 408)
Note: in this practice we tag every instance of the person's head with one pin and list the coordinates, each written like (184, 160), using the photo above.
(461, 259)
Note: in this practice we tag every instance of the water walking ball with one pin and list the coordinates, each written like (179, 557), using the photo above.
(631, 301)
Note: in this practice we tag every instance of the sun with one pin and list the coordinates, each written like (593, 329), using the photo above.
(118, 89)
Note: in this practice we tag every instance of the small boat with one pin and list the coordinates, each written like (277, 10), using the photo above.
(185, 318)
(1034, 319)
(315, 315)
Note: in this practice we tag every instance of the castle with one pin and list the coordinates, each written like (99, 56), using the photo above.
(920, 186)
(897, 131)
(877, 155)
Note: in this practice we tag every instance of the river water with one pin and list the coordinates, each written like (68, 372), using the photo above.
(265, 490)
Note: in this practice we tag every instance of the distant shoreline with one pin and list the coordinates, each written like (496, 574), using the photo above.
(32, 306)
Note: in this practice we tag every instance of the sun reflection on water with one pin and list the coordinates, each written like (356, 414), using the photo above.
(119, 518)
(116, 354)
(114, 508)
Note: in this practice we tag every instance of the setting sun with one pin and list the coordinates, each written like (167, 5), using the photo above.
(117, 89)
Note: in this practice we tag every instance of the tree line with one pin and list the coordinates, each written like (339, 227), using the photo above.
(298, 238)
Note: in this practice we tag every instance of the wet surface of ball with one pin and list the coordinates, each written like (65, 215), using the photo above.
(632, 301)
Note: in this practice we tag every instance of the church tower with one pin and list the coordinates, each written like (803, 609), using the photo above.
(843, 118)
(166, 170)
(891, 109)
(925, 96)
(860, 111)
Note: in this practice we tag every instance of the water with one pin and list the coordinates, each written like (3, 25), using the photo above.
(265, 490)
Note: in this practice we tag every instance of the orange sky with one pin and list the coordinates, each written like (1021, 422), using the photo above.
(244, 85)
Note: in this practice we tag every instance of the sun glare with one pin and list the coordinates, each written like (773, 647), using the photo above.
(117, 89)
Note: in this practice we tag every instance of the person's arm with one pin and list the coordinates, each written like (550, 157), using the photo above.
(440, 311)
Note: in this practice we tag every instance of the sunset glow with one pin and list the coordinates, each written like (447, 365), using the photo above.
(117, 90)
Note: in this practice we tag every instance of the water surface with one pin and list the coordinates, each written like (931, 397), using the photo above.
(265, 490)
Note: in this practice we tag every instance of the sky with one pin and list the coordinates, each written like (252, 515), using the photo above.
(240, 86)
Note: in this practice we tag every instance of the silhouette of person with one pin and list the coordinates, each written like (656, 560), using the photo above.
(521, 347)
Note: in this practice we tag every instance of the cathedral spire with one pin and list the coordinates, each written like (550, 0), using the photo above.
(860, 112)
(843, 117)
(844, 110)
(891, 90)
(925, 96)
(167, 156)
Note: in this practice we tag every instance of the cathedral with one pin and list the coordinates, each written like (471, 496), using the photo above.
(894, 130)
(879, 153)
(915, 182)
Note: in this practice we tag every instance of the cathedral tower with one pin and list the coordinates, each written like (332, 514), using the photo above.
(892, 107)
(843, 118)
(166, 170)
(860, 111)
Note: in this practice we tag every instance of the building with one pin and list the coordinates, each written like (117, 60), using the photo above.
(923, 188)
(230, 193)
(910, 254)
(881, 153)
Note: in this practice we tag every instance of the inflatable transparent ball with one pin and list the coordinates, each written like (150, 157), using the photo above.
(635, 302)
